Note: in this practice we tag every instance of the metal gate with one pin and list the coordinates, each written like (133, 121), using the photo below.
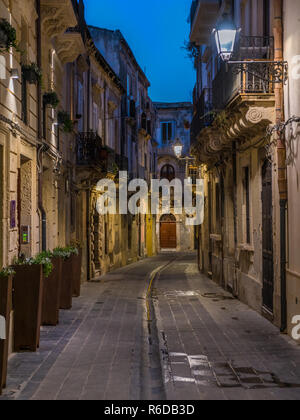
(267, 237)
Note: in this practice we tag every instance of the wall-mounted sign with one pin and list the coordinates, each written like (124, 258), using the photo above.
(13, 207)
(25, 235)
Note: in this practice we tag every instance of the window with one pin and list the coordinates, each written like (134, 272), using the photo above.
(167, 132)
(193, 174)
(167, 172)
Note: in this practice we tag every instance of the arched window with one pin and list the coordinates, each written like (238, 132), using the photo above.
(167, 172)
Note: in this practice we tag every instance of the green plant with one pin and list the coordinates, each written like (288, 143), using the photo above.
(51, 98)
(192, 49)
(66, 252)
(8, 36)
(32, 73)
(65, 121)
(44, 259)
(6, 272)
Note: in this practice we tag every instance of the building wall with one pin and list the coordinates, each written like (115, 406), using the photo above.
(292, 108)
(180, 115)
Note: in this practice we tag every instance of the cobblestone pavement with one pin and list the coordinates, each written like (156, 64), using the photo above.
(215, 347)
(203, 345)
(100, 350)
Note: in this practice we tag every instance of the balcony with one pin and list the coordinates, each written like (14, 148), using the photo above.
(228, 83)
(202, 115)
(204, 14)
(89, 151)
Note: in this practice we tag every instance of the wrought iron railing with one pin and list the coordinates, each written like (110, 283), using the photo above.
(203, 115)
(88, 149)
(246, 78)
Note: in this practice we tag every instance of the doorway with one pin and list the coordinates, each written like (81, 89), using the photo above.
(267, 237)
(168, 232)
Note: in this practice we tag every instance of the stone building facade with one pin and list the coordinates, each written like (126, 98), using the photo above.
(173, 122)
(137, 136)
(52, 157)
(291, 12)
(241, 244)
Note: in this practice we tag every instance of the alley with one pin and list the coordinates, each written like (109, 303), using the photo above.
(200, 343)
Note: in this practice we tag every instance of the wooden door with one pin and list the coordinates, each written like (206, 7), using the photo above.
(168, 238)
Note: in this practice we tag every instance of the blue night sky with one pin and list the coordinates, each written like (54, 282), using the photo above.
(156, 31)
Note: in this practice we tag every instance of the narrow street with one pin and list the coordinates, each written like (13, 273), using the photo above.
(200, 343)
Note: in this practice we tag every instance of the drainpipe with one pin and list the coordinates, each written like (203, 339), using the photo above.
(281, 156)
(40, 136)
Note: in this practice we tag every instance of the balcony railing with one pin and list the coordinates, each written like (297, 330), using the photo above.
(88, 149)
(203, 116)
(249, 78)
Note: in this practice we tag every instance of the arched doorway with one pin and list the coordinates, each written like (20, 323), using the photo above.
(168, 234)
(167, 172)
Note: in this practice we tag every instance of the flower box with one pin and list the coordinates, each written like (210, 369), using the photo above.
(32, 74)
(77, 274)
(5, 311)
(66, 291)
(27, 303)
(51, 294)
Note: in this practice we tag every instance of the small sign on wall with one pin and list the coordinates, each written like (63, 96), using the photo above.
(13, 208)
(25, 235)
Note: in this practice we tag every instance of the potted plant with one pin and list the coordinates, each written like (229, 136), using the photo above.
(27, 300)
(8, 36)
(6, 276)
(64, 119)
(51, 290)
(32, 73)
(51, 99)
(77, 261)
(67, 275)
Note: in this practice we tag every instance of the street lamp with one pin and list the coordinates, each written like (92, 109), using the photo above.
(270, 71)
(225, 36)
(178, 148)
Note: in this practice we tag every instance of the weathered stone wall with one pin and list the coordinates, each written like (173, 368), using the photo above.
(292, 108)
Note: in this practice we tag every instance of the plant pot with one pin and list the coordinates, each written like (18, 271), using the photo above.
(5, 311)
(66, 291)
(77, 274)
(27, 302)
(51, 294)
(3, 39)
(30, 76)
